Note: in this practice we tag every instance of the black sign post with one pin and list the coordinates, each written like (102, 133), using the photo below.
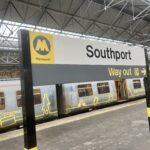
(27, 93)
(147, 86)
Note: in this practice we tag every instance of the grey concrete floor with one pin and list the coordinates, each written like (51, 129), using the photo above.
(123, 129)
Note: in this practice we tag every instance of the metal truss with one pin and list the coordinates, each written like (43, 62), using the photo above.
(135, 29)
(9, 58)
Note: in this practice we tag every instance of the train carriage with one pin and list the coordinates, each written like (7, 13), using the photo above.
(76, 97)
(135, 88)
(81, 96)
(11, 103)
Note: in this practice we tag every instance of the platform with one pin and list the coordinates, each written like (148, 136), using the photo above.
(120, 127)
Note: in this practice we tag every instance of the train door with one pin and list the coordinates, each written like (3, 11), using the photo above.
(121, 89)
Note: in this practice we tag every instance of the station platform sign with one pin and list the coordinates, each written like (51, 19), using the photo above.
(58, 59)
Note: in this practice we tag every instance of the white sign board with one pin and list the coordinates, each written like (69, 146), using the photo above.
(87, 52)
(59, 59)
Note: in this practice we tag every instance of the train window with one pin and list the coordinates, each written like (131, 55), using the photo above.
(2, 101)
(19, 100)
(137, 84)
(85, 90)
(37, 97)
(103, 88)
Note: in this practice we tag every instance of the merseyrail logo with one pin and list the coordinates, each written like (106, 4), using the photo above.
(42, 48)
(41, 45)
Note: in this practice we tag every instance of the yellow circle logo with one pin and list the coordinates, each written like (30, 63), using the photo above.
(41, 45)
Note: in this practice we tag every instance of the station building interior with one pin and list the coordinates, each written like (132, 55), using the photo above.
(125, 22)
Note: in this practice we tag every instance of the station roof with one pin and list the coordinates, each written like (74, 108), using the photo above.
(121, 20)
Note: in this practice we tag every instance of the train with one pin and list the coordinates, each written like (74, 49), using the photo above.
(71, 98)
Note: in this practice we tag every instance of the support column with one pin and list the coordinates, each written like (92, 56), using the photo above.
(30, 142)
(147, 87)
